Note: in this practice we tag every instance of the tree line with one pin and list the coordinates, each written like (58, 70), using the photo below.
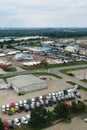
(49, 32)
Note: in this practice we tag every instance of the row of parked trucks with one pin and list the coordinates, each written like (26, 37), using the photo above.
(45, 100)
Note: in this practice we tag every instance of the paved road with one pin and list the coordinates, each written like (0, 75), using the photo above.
(54, 71)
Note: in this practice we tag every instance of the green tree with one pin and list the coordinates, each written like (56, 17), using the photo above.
(81, 106)
(74, 107)
(1, 125)
(44, 64)
(38, 117)
(61, 110)
(9, 46)
(51, 115)
(1, 45)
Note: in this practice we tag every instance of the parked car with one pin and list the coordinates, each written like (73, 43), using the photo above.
(33, 100)
(78, 94)
(46, 102)
(32, 106)
(56, 95)
(10, 125)
(17, 122)
(5, 125)
(54, 99)
(40, 98)
(37, 99)
(7, 107)
(3, 108)
(26, 108)
(21, 106)
(41, 102)
(49, 95)
(23, 120)
(27, 117)
(29, 101)
(37, 104)
(25, 102)
(16, 106)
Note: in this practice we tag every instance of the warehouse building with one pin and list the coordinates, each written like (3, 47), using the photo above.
(26, 83)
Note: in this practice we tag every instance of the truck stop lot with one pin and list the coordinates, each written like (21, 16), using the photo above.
(54, 85)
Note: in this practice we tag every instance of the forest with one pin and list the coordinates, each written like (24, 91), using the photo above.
(48, 32)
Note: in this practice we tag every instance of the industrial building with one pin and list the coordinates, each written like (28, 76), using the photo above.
(22, 56)
(26, 83)
(72, 49)
(4, 85)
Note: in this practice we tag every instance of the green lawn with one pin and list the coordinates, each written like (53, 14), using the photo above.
(46, 73)
(84, 80)
(11, 69)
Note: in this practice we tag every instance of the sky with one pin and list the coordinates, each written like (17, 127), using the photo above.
(43, 13)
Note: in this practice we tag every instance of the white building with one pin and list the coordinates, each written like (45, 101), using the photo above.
(26, 83)
(72, 48)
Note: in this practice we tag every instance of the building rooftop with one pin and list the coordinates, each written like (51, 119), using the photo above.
(24, 80)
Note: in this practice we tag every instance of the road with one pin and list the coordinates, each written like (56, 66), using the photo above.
(54, 71)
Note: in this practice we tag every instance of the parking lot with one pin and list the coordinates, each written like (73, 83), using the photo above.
(54, 85)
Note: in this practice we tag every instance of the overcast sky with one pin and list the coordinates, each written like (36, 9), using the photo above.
(43, 13)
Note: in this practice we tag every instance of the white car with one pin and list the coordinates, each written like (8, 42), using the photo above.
(66, 97)
(56, 94)
(59, 94)
(53, 94)
(54, 99)
(7, 107)
(72, 95)
(69, 95)
(74, 89)
(16, 105)
(40, 97)
(78, 94)
(33, 99)
(46, 102)
(17, 122)
(20, 103)
(37, 104)
(32, 106)
(23, 120)
(41, 102)
(59, 98)
(49, 95)
(28, 117)
(3, 108)
(25, 102)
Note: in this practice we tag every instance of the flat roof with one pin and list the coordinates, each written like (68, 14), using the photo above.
(24, 80)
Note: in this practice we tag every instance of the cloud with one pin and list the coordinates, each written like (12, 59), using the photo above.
(44, 13)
